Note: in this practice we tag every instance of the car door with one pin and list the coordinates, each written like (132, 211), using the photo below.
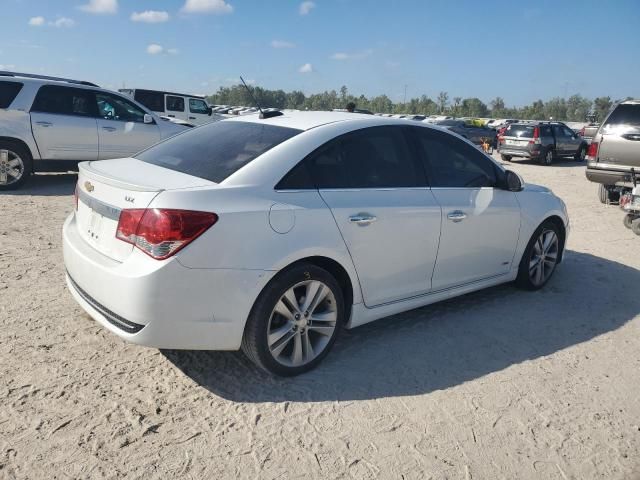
(390, 221)
(572, 141)
(561, 139)
(480, 222)
(63, 121)
(121, 128)
(199, 112)
(175, 107)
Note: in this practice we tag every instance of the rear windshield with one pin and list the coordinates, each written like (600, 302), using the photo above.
(625, 114)
(525, 131)
(8, 92)
(216, 150)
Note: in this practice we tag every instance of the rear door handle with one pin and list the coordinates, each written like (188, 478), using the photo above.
(457, 216)
(44, 124)
(172, 116)
(109, 129)
(363, 219)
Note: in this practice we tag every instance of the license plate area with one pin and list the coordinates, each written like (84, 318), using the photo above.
(516, 142)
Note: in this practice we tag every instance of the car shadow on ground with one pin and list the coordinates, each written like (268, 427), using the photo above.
(442, 345)
(46, 185)
(557, 162)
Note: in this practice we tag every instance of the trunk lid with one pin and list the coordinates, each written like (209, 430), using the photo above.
(107, 187)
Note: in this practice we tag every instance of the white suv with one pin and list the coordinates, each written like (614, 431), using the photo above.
(51, 124)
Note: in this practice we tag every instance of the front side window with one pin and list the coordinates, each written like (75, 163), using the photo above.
(65, 101)
(112, 107)
(8, 92)
(216, 150)
(198, 106)
(175, 104)
(452, 163)
(376, 157)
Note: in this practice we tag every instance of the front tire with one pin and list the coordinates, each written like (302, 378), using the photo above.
(635, 226)
(15, 165)
(581, 154)
(505, 158)
(540, 258)
(295, 321)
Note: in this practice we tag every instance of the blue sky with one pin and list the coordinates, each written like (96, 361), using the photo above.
(520, 51)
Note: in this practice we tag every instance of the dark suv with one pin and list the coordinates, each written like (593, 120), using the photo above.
(615, 150)
(542, 141)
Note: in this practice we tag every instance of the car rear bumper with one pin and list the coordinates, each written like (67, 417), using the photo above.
(609, 174)
(516, 152)
(161, 304)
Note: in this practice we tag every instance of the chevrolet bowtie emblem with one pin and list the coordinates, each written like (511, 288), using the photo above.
(88, 186)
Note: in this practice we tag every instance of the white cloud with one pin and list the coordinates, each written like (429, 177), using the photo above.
(154, 49)
(36, 21)
(63, 22)
(351, 56)
(100, 6)
(281, 44)
(217, 7)
(150, 16)
(306, 68)
(306, 7)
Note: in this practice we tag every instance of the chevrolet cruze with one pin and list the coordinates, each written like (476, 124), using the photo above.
(271, 233)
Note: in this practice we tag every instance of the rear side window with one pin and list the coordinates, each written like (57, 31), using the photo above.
(8, 92)
(175, 104)
(216, 150)
(154, 101)
(452, 163)
(65, 101)
(524, 131)
(376, 157)
(624, 114)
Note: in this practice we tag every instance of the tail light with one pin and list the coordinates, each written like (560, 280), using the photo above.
(592, 152)
(160, 233)
(536, 136)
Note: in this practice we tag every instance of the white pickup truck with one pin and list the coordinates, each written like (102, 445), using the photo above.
(51, 124)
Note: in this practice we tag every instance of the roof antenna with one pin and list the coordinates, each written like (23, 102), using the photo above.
(263, 115)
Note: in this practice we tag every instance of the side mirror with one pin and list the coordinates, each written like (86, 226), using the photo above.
(513, 181)
(148, 119)
(209, 110)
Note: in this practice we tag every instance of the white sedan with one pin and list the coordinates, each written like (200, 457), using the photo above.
(271, 234)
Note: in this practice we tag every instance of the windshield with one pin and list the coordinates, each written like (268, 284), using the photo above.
(624, 117)
(216, 150)
(525, 131)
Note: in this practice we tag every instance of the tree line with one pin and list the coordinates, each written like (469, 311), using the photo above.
(572, 109)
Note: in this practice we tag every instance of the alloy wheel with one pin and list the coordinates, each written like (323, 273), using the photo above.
(302, 323)
(11, 167)
(544, 257)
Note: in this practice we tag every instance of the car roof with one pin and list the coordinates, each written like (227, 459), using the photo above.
(306, 120)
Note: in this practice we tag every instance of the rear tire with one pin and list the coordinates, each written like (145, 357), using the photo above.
(16, 165)
(628, 220)
(506, 158)
(287, 335)
(540, 258)
(635, 226)
(603, 194)
(546, 158)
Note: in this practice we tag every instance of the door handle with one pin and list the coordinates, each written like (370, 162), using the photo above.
(192, 118)
(172, 116)
(44, 124)
(457, 216)
(362, 219)
(109, 129)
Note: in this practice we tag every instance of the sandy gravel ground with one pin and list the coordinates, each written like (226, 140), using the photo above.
(500, 384)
